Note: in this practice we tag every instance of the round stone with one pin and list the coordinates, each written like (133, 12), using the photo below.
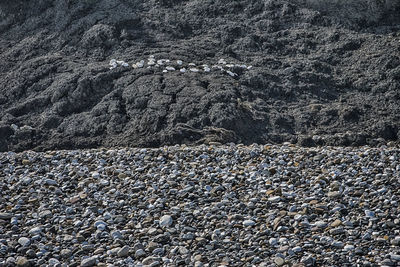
(24, 241)
(53, 262)
(35, 230)
(140, 253)
(88, 262)
(166, 221)
(279, 261)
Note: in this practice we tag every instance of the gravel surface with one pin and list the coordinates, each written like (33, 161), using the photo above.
(201, 206)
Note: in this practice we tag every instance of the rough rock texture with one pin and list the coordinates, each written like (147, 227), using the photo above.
(325, 72)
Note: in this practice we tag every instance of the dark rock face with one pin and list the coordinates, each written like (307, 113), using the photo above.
(320, 76)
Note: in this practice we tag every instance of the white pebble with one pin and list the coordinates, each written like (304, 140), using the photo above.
(207, 69)
(274, 199)
(179, 62)
(222, 61)
(164, 71)
(194, 70)
(140, 64)
(165, 221)
(348, 248)
(192, 64)
(183, 70)
(170, 68)
(231, 73)
(248, 223)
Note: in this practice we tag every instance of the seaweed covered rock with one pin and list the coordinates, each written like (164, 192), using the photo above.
(303, 71)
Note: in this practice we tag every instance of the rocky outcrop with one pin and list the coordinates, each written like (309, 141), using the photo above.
(323, 73)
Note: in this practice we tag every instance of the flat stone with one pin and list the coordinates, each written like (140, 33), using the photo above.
(297, 249)
(273, 241)
(274, 199)
(336, 231)
(308, 261)
(338, 244)
(49, 181)
(123, 252)
(183, 250)
(53, 262)
(166, 221)
(104, 182)
(139, 253)
(336, 223)
(65, 253)
(116, 235)
(369, 213)
(5, 215)
(22, 262)
(348, 248)
(148, 260)
(395, 257)
(396, 241)
(91, 261)
(334, 194)
(279, 261)
(35, 230)
(98, 251)
(249, 223)
(321, 224)
(100, 225)
(152, 246)
(24, 241)
(45, 214)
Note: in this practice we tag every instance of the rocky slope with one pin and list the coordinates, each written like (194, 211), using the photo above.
(324, 73)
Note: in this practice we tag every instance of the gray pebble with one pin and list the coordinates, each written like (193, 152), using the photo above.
(140, 253)
(49, 181)
(395, 257)
(5, 215)
(53, 262)
(279, 261)
(166, 221)
(24, 241)
(35, 230)
(249, 223)
(124, 251)
(90, 261)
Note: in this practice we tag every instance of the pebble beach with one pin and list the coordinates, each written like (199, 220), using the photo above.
(208, 205)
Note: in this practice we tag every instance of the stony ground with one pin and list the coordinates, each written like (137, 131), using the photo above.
(201, 206)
